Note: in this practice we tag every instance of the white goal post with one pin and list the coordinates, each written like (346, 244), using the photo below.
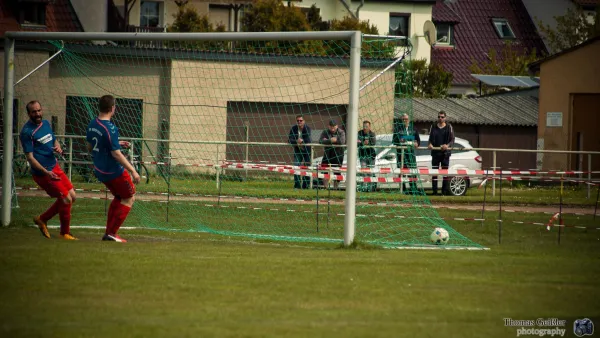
(355, 38)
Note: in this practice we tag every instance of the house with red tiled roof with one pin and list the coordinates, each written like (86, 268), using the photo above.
(468, 29)
(38, 15)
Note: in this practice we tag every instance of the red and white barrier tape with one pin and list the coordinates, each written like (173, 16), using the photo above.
(537, 179)
(383, 170)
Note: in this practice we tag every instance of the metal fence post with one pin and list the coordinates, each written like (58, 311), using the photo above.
(70, 158)
(494, 173)
(589, 186)
(218, 167)
(312, 155)
(400, 169)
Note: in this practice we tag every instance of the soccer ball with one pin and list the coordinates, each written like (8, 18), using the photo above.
(439, 236)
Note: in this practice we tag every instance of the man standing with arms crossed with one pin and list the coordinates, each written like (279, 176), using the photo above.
(441, 134)
(39, 145)
(109, 166)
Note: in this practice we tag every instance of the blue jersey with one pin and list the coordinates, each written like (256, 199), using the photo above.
(39, 140)
(103, 136)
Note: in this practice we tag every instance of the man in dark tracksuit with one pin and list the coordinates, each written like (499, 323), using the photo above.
(333, 156)
(441, 135)
(405, 135)
(366, 155)
(299, 136)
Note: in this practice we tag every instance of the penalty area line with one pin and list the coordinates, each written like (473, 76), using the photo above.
(469, 248)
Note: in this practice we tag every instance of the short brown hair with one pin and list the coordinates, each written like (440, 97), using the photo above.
(106, 103)
(442, 112)
(367, 121)
(31, 103)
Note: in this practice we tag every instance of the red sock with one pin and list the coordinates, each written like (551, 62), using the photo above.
(51, 212)
(65, 218)
(120, 216)
(111, 215)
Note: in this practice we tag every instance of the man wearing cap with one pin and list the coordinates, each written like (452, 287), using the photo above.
(334, 156)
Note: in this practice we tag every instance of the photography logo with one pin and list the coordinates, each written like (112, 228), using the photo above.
(583, 327)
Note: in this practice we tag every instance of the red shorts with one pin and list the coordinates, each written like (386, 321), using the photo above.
(122, 186)
(55, 188)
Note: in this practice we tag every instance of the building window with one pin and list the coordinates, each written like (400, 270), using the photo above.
(32, 13)
(150, 14)
(399, 26)
(444, 34)
(503, 29)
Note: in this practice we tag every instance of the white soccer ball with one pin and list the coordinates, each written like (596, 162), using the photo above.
(439, 236)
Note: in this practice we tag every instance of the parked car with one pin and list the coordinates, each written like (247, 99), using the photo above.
(462, 158)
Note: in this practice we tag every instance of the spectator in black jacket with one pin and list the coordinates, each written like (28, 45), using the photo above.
(299, 136)
(333, 156)
(366, 137)
(441, 135)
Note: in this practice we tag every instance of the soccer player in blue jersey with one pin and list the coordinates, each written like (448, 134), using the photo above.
(109, 166)
(39, 145)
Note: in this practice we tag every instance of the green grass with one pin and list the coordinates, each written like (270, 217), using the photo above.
(189, 284)
(512, 194)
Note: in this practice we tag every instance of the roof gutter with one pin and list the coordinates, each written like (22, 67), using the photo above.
(349, 10)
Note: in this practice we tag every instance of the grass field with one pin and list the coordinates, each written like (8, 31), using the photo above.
(191, 284)
(517, 193)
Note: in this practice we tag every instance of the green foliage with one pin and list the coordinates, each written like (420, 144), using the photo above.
(352, 24)
(315, 21)
(187, 19)
(273, 16)
(571, 29)
(418, 79)
(511, 61)
(370, 48)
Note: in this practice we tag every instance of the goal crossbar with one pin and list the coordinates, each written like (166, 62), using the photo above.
(245, 36)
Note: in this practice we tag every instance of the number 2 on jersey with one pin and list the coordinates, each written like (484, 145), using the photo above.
(95, 144)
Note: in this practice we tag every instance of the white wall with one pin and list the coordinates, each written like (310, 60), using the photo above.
(91, 14)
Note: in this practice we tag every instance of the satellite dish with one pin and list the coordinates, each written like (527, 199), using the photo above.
(430, 32)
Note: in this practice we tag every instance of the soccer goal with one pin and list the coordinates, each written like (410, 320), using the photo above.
(214, 121)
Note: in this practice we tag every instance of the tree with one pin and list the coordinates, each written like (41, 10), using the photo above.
(511, 61)
(416, 78)
(273, 16)
(571, 29)
(315, 21)
(187, 19)
(348, 23)
(371, 47)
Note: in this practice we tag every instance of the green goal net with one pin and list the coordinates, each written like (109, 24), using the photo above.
(211, 124)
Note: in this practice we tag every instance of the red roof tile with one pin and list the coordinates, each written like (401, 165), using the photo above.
(443, 13)
(60, 17)
(474, 34)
